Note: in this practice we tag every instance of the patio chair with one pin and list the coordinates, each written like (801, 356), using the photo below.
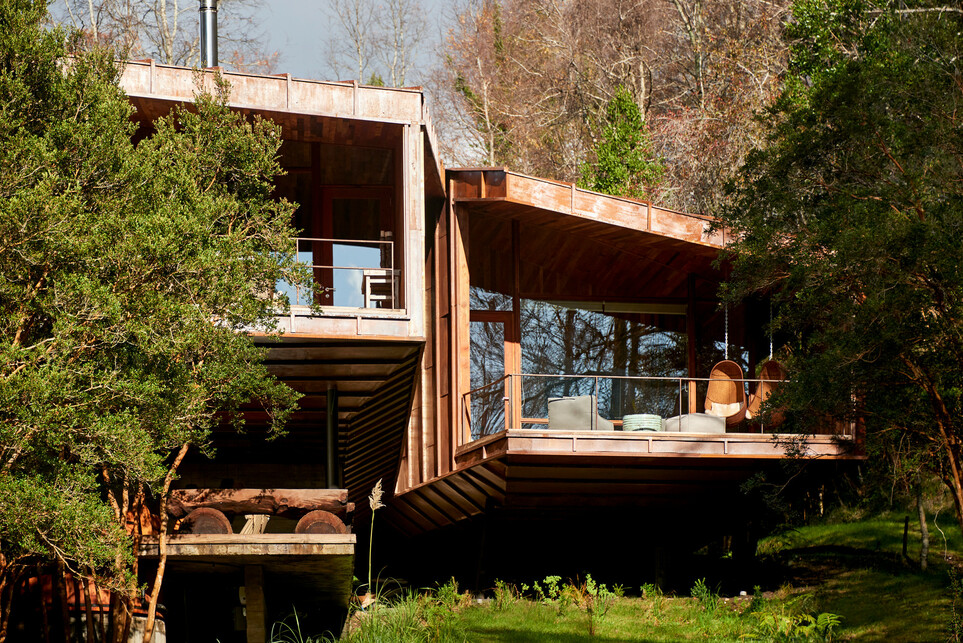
(578, 413)
(726, 393)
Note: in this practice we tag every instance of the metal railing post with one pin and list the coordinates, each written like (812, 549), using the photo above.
(680, 397)
(595, 412)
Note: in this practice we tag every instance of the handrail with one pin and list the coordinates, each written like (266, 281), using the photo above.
(510, 390)
(378, 283)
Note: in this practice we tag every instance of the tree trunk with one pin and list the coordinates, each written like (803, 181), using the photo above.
(924, 530)
(88, 610)
(44, 615)
(162, 545)
(948, 438)
(59, 583)
(6, 598)
(906, 538)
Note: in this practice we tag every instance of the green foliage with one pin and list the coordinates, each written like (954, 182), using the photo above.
(429, 616)
(707, 598)
(652, 592)
(128, 275)
(955, 626)
(592, 598)
(598, 600)
(786, 628)
(850, 220)
(551, 592)
(288, 630)
(624, 163)
(506, 595)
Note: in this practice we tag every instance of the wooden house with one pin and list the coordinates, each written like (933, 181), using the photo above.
(462, 313)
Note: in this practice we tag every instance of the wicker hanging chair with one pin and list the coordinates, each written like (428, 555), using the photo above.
(771, 374)
(726, 394)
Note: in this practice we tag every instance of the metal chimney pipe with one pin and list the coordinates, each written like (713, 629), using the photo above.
(208, 22)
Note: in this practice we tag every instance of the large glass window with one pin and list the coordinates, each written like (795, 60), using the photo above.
(608, 346)
(348, 224)
(488, 386)
(362, 254)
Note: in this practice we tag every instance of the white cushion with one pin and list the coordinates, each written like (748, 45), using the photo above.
(724, 410)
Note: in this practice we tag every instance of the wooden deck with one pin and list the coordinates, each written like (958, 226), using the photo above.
(350, 117)
(532, 472)
(325, 562)
(499, 189)
(375, 380)
(644, 444)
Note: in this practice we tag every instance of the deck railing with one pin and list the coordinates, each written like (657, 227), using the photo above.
(520, 401)
(349, 273)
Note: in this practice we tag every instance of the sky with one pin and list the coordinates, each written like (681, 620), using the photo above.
(296, 30)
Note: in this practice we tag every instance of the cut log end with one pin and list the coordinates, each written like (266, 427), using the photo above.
(206, 521)
(320, 522)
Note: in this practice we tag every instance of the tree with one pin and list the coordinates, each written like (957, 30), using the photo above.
(624, 163)
(376, 39)
(167, 30)
(528, 84)
(129, 274)
(850, 219)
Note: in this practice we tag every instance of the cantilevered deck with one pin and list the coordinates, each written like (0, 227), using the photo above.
(516, 249)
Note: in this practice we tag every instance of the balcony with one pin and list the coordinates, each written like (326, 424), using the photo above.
(645, 416)
(349, 275)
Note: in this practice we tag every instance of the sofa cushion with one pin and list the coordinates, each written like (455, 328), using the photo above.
(695, 423)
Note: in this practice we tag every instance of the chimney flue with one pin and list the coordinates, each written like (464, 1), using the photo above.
(208, 21)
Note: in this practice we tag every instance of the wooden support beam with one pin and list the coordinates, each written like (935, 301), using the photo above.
(331, 472)
(255, 605)
(513, 336)
(691, 339)
(278, 502)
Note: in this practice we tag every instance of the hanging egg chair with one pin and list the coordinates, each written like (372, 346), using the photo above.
(726, 394)
(772, 374)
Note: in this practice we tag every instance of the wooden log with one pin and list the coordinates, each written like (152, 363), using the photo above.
(206, 520)
(279, 502)
(320, 522)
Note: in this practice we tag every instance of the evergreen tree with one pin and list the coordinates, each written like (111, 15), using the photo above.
(129, 274)
(623, 157)
(851, 217)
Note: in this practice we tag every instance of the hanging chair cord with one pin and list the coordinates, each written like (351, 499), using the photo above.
(727, 330)
(770, 329)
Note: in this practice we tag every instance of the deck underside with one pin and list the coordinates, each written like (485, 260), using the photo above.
(553, 473)
(320, 563)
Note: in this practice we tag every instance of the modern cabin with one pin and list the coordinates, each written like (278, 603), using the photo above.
(578, 341)
(267, 522)
(502, 351)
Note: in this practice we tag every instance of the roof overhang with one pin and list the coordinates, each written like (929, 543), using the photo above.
(335, 112)
(577, 241)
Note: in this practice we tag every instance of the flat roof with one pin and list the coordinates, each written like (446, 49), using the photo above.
(153, 88)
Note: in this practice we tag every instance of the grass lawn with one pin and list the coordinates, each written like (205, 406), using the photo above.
(630, 619)
(855, 570)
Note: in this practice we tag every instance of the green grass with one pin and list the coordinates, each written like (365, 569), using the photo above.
(854, 570)
(877, 534)
(444, 615)
(881, 606)
(631, 619)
